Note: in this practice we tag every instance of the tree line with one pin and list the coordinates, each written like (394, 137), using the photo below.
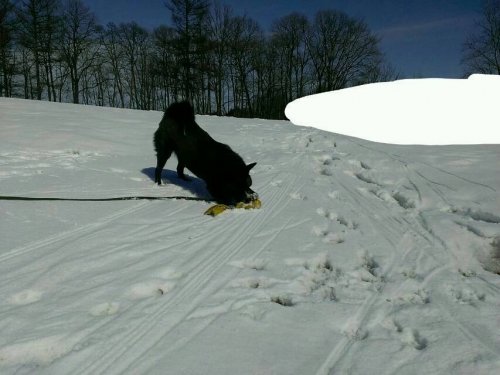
(224, 63)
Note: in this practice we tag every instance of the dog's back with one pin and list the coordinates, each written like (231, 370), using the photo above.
(178, 120)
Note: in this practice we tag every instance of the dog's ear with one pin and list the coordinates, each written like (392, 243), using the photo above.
(250, 166)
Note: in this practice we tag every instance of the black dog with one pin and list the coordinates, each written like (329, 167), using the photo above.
(223, 170)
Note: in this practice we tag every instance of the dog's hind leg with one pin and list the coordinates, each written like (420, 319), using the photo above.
(161, 159)
(180, 171)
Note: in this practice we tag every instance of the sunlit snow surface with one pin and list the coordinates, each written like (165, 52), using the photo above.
(365, 258)
(427, 111)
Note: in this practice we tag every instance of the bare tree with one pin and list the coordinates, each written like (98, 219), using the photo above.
(166, 68)
(7, 61)
(245, 36)
(134, 43)
(481, 51)
(190, 19)
(38, 28)
(30, 26)
(220, 21)
(289, 39)
(115, 56)
(342, 50)
(51, 30)
(269, 102)
(78, 48)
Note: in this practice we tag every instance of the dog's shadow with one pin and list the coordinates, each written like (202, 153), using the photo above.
(195, 185)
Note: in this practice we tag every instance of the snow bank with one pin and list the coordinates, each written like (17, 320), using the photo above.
(427, 111)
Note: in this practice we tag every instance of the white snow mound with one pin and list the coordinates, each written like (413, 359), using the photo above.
(431, 111)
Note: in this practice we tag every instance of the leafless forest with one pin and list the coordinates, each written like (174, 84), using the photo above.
(226, 64)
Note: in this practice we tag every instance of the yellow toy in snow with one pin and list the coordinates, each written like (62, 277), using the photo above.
(219, 208)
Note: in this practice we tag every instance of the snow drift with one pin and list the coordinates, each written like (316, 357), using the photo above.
(428, 111)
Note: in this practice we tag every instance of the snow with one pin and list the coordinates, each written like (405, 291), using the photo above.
(430, 111)
(364, 258)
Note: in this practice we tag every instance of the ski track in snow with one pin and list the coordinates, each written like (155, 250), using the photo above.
(187, 297)
(71, 234)
(387, 258)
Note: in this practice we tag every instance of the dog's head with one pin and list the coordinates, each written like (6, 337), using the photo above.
(235, 187)
(249, 194)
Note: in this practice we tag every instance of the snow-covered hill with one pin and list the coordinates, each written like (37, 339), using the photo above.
(364, 259)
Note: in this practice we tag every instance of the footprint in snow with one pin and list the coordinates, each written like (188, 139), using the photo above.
(466, 296)
(327, 236)
(358, 163)
(255, 264)
(366, 177)
(364, 165)
(368, 271)
(467, 273)
(105, 309)
(326, 214)
(367, 262)
(354, 332)
(418, 297)
(477, 215)
(411, 337)
(38, 353)
(283, 300)
(334, 194)
(382, 194)
(25, 297)
(317, 279)
(325, 171)
(326, 159)
(408, 336)
(354, 162)
(410, 273)
(347, 223)
(152, 288)
(298, 196)
(325, 165)
(253, 283)
(391, 325)
(320, 262)
(335, 217)
(403, 200)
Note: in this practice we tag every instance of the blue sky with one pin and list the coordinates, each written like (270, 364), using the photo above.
(421, 38)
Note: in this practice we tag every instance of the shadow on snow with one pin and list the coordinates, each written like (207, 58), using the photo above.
(195, 185)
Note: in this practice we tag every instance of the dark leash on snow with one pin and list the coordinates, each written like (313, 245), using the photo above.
(212, 211)
(128, 198)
